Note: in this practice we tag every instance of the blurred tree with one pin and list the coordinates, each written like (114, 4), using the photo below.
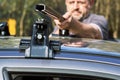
(24, 13)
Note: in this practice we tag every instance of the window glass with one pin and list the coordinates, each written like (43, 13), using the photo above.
(34, 76)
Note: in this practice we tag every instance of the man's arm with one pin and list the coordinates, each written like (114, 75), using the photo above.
(79, 29)
(84, 30)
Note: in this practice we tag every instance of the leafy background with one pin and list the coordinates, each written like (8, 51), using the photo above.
(23, 11)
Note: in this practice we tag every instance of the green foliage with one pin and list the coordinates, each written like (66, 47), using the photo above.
(23, 11)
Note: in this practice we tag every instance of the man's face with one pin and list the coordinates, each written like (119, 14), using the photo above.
(79, 8)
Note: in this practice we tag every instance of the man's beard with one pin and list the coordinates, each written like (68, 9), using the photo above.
(78, 17)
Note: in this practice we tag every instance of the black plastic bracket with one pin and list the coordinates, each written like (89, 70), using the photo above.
(40, 45)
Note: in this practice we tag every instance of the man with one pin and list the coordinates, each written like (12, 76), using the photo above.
(80, 22)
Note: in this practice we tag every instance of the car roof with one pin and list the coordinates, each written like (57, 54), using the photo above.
(69, 60)
(95, 49)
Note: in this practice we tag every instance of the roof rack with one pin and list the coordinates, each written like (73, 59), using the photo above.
(40, 46)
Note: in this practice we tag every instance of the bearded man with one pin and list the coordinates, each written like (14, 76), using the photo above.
(81, 22)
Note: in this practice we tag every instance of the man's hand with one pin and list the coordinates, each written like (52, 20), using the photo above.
(66, 23)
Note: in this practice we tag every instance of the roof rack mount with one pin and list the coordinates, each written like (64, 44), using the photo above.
(40, 46)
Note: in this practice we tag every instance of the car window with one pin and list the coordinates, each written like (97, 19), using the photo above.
(51, 76)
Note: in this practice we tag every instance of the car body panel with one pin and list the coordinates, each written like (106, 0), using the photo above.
(93, 59)
(81, 67)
